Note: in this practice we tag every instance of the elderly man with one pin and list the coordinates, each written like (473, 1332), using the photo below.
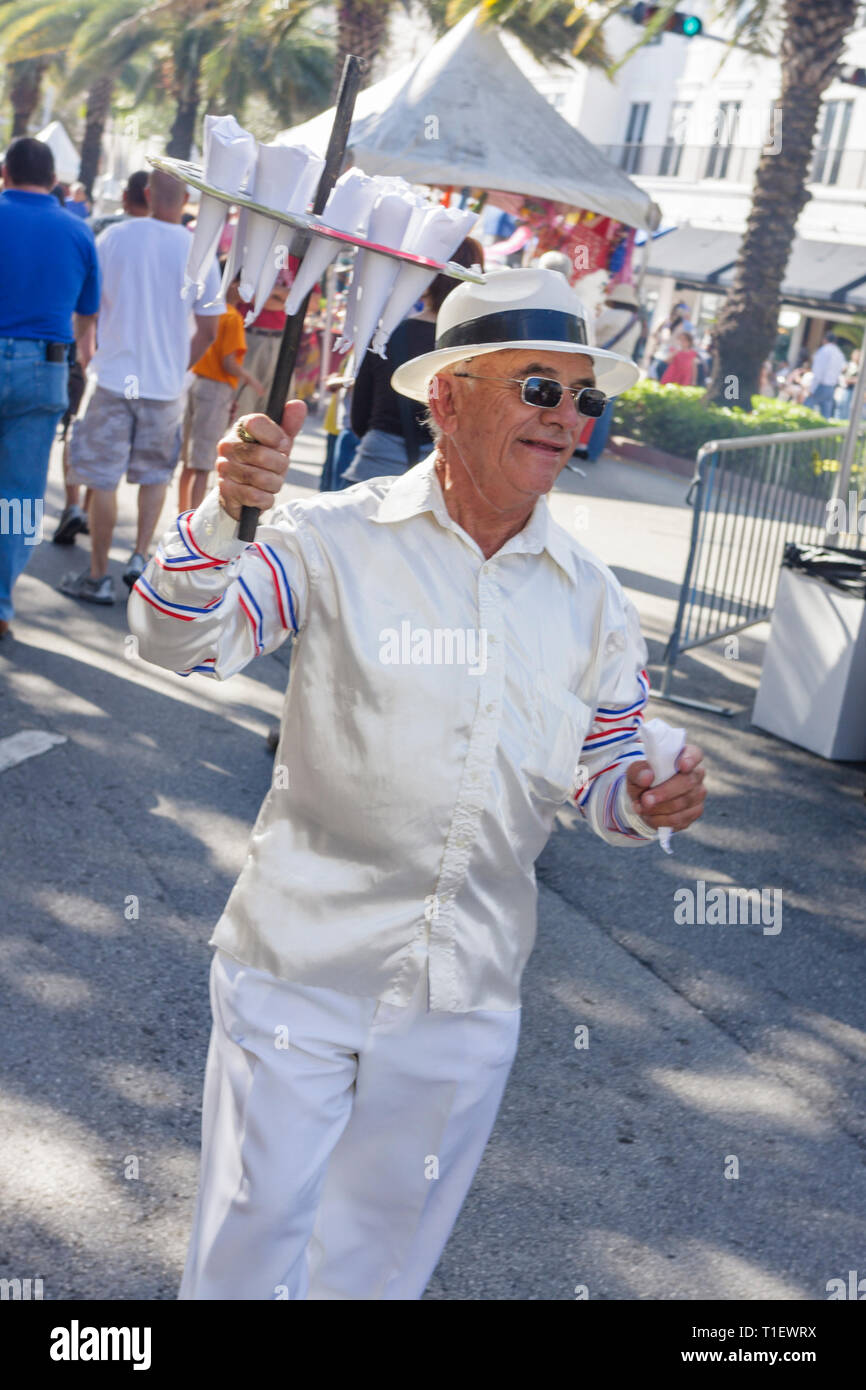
(463, 668)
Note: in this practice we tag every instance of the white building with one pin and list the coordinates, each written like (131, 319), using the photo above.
(690, 128)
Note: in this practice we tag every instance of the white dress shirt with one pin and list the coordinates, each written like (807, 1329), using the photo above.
(440, 709)
(827, 365)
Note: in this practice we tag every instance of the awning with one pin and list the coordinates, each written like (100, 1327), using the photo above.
(464, 115)
(820, 274)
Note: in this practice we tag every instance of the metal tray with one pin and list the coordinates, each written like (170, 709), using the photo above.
(305, 222)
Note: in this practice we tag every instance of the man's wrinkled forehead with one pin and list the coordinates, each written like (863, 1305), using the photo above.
(571, 368)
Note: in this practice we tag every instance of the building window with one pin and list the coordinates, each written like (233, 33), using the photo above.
(833, 126)
(672, 152)
(630, 159)
(723, 138)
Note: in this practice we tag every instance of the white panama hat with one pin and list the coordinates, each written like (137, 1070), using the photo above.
(532, 309)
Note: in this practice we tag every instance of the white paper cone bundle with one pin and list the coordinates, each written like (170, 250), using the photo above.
(438, 237)
(374, 276)
(662, 746)
(348, 210)
(235, 255)
(229, 157)
(282, 178)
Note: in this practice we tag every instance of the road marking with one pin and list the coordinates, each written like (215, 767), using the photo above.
(26, 744)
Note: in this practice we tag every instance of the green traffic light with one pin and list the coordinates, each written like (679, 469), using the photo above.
(691, 25)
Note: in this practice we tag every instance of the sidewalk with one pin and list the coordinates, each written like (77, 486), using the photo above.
(607, 1165)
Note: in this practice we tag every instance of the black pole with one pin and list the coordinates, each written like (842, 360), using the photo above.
(350, 81)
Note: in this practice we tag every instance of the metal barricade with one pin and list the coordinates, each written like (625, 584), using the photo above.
(749, 496)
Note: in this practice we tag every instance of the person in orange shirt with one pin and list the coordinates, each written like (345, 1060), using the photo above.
(215, 379)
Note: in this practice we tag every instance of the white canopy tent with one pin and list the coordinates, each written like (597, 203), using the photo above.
(66, 157)
(464, 115)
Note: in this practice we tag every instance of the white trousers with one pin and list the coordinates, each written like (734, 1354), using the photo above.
(340, 1136)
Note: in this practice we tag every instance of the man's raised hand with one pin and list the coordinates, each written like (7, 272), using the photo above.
(251, 475)
(677, 802)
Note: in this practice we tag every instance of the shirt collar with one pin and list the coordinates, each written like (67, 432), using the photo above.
(27, 193)
(418, 490)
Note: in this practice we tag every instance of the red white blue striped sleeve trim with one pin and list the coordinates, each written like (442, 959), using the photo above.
(206, 668)
(250, 606)
(622, 728)
(194, 558)
(281, 584)
(610, 818)
(643, 682)
(185, 611)
(583, 797)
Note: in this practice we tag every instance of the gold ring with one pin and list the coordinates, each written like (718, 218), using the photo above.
(244, 434)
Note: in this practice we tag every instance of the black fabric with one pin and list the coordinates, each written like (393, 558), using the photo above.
(515, 325)
(375, 403)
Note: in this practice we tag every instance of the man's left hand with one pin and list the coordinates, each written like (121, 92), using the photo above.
(676, 802)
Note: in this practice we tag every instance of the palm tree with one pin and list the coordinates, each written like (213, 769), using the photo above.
(809, 37)
(49, 36)
(550, 29)
(210, 50)
(362, 26)
(24, 83)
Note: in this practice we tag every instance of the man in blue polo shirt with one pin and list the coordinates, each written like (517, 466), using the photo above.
(50, 272)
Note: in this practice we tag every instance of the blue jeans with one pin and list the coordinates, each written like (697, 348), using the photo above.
(380, 455)
(822, 399)
(340, 452)
(33, 398)
(600, 434)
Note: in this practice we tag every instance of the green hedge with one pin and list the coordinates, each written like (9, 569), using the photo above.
(672, 417)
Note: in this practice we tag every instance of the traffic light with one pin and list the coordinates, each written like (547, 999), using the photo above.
(677, 23)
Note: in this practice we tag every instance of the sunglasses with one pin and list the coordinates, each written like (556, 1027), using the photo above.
(544, 392)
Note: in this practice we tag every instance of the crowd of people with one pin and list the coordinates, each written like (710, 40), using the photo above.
(107, 341)
(102, 348)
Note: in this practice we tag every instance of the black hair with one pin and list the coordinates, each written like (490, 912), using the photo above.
(135, 186)
(30, 161)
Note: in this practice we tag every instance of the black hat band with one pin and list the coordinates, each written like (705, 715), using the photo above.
(514, 325)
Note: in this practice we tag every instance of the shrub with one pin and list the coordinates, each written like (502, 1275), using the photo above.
(672, 417)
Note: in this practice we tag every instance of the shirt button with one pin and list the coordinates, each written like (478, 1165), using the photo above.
(491, 709)
(208, 526)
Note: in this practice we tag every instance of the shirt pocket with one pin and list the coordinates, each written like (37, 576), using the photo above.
(560, 723)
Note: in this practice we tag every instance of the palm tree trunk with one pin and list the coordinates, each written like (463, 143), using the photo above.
(362, 26)
(24, 83)
(98, 107)
(187, 94)
(746, 332)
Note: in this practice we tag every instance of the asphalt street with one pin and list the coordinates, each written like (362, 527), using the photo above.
(707, 1141)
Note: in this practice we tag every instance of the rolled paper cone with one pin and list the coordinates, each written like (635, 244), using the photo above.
(235, 255)
(285, 176)
(229, 156)
(348, 210)
(441, 232)
(374, 276)
(662, 745)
